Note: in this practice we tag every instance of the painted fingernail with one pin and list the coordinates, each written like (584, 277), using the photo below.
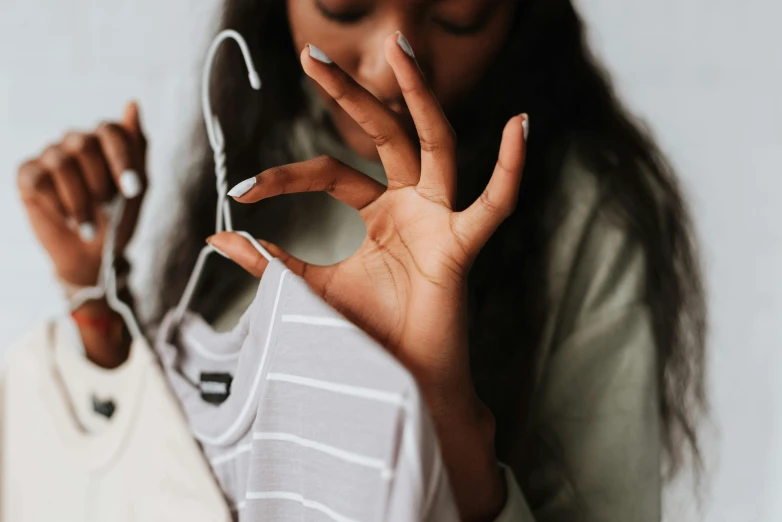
(319, 55)
(87, 231)
(242, 188)
(130, 184)
(217, 249)
(525, 125)
(404, 44)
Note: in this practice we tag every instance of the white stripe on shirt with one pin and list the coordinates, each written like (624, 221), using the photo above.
(318, 321)
(345, 389)
(345, 455)
(286, 495)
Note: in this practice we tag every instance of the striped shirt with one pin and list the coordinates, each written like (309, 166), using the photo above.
(303, 416)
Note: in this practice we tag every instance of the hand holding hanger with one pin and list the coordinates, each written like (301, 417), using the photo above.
(65, 188)
(406, 284)
(66, 192)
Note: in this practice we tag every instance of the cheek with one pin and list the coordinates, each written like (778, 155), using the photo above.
(459, 63)
(300, 22)
(307, 25)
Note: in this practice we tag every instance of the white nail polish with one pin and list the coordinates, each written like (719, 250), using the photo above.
(87, 231)
(525, 127)
(242, 188)
(319, 55)
(130, 184)
(404, 44)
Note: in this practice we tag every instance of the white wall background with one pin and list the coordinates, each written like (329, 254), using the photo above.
(705, 74)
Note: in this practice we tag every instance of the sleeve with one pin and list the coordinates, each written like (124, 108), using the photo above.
(596, 416)
(516, 508)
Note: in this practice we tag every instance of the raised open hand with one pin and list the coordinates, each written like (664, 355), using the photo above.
(406, 284)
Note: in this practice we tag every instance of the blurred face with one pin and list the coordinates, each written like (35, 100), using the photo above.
(454, 42)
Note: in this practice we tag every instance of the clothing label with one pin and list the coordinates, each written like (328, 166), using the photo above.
(101, 407)
(215, 387)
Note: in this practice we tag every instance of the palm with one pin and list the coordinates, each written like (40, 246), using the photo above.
(403, 281)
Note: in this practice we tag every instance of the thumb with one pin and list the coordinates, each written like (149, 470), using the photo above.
(131, 122)
(243, 253)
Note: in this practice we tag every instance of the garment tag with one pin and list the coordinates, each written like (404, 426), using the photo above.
(215, 387)
(101, 407)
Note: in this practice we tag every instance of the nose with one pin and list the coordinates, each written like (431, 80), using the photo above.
(376, 75)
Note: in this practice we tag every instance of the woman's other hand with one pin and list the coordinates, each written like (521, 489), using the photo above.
(406, 284)
(64, 191)
(65, 187)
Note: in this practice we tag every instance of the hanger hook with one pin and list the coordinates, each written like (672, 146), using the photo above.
(217, 141)
(212, 123)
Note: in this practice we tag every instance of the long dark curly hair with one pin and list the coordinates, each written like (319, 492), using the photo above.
(546, 69)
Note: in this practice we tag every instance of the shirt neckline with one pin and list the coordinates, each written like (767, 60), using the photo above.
(91, 450)
(249, 343)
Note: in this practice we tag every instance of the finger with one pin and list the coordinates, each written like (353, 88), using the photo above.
(131, 122)
(400, 158)
(86, 150)
(437, 138)
(475, 225)
(321, 174)
(71, 189)
(243, 253)
(118, 150)
(45, 211)
(37, 190)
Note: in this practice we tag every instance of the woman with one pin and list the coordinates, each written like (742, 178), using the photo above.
(561, 334)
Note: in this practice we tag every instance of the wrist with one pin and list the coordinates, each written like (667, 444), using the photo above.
(79, 291)
(104, 336)
(97, 319)
(466, 430)
(103, 332)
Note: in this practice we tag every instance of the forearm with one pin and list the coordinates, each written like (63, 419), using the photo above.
(465, 429)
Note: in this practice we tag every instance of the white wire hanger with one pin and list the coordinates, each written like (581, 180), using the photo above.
(217, 142)
(106, 286)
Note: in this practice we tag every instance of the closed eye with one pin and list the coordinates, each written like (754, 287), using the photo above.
(464, 29)
(344, 16)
